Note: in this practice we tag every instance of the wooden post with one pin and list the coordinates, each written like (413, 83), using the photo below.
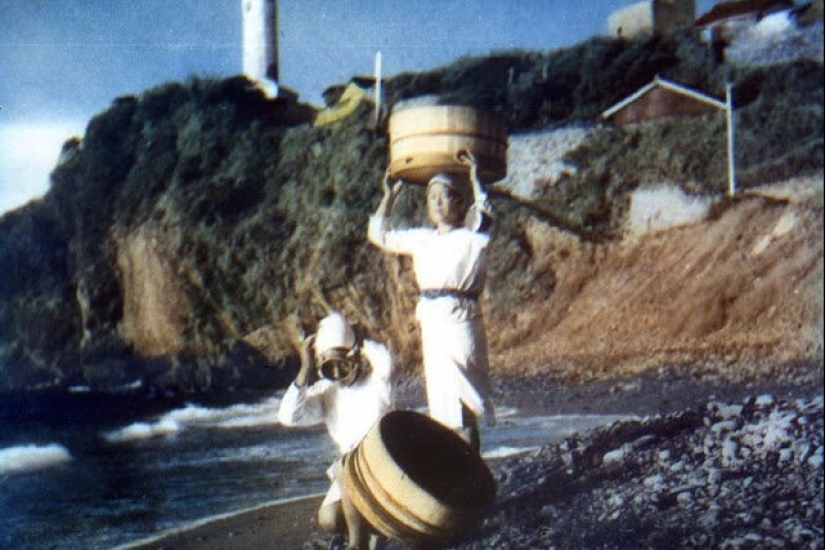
(731, 142)
(377, 89)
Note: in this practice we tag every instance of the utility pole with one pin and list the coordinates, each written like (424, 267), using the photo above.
(731, 142)
(377, 71)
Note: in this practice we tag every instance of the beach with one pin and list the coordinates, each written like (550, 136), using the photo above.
(282, 524)
(672, 414)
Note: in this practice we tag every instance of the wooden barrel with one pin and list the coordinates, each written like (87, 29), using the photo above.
(417, 481)
(425, 140)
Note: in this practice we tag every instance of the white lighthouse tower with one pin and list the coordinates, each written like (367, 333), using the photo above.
(260, 43)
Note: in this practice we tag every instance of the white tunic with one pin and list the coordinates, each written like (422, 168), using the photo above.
(348, 411)
(453, 340)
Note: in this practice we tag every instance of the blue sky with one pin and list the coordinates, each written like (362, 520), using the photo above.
(62, 61)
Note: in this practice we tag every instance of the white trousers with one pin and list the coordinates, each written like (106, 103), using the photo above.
(456, 369)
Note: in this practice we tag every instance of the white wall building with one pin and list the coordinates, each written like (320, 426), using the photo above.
(651, 17)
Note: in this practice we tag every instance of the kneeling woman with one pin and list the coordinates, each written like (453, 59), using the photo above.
(344, 383)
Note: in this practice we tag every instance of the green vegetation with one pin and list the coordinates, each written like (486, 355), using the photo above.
(564, 86)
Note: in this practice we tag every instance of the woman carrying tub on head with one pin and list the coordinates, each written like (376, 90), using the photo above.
(450, 263)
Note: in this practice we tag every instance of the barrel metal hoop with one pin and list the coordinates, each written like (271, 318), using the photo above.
(374, 511)
(494, 139)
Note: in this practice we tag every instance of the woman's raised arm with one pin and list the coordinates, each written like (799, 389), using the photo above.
(481, 215)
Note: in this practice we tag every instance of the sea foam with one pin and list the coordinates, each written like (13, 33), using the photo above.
(196, 416)
(505, 451)
(27, 458)
(142, 430)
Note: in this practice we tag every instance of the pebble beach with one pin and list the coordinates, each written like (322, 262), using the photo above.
(702, 464)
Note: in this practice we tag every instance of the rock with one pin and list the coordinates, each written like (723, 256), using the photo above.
(690, 487)
(815, 460)
(730, 449)
(615, 456)
(765, 401)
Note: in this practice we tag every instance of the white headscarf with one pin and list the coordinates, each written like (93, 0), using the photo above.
(456, 184)
(333, 332)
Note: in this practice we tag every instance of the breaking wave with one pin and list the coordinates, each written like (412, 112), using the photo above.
(197, 416)
(27, 458)
(506, 451)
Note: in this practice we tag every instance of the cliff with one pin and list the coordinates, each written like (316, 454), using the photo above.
(196, 226)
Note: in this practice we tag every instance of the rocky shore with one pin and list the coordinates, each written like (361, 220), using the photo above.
(708, 463)
(710, 460)
(729, 475)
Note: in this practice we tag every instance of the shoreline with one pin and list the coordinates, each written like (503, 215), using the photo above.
(291, 523)
(286, 523)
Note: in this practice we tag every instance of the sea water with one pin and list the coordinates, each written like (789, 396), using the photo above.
(89, 471)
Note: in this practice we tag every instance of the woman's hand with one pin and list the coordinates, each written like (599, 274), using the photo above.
(466, 158)
(306, 375)
(479, 195)
(391, 189)
(390, 186)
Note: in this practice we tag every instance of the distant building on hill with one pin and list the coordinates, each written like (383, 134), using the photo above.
(343, 100)
(727, 20)
(660, 99)
(651, 17)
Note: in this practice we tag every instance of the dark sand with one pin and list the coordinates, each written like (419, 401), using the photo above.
(281, 525)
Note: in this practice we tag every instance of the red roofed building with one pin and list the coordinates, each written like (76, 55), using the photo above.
(661, 99)
(747, 11)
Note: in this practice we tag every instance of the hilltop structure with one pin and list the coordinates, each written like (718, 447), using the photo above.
(651, 17)
(729, 16)
(660, 99)
(347, 99)
(727, 20)
(260, 43)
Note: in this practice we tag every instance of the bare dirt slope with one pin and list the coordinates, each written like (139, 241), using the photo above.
(743, 287)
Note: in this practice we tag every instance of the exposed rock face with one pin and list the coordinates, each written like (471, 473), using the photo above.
(124, 261)
(748, 279)
(154, 311)
(664, 206)
(537, 158)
